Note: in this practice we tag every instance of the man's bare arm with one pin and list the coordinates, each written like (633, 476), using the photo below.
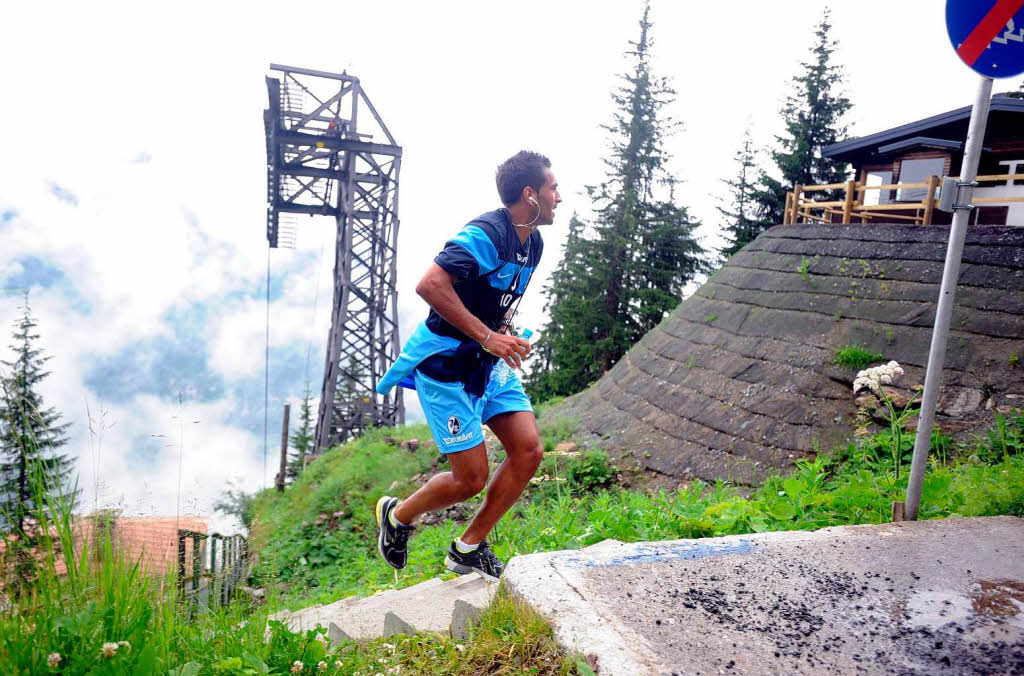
(437, 288)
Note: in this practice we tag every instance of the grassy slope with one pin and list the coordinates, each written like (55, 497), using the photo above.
(856, 484)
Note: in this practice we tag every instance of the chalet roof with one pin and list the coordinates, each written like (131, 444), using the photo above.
(920, 142)
(1006, 119)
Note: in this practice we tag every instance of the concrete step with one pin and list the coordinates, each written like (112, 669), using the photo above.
(472, 590)
(465, 611)
(310, 617)
(420, 607)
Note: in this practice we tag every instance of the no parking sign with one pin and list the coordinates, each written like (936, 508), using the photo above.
(988, 35)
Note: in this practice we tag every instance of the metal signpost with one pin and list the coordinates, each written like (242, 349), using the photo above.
(988, 35)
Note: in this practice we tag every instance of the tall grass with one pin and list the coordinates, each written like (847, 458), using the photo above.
(72, 605)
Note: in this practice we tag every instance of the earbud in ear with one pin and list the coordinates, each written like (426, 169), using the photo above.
(533, 200)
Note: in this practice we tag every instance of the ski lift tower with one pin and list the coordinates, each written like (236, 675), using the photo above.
(330, 154)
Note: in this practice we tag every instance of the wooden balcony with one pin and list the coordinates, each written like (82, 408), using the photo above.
(801, 207)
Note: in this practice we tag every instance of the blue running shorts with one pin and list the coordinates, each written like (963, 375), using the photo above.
(456, 417)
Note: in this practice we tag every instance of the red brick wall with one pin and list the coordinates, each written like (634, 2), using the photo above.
(151, 540)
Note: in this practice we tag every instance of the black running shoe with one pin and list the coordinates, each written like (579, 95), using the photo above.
(392, 541)
(481, 559)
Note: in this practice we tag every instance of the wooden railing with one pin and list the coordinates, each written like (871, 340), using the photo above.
(801, 209)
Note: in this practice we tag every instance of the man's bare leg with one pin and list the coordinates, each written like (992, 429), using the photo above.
(467, 478)
(520, 436)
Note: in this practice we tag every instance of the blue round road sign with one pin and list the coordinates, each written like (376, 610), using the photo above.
(988, 35)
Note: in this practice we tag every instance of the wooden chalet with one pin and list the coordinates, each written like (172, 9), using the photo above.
(897, 172)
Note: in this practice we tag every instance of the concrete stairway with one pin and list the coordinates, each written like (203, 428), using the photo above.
(431, 606)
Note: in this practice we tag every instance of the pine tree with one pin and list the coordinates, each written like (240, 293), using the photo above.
(564, 359)
(813, 114)
(641, 283)
(741, 223)
(302, 440)
(31, 468)
(668, 257)
(234, 501)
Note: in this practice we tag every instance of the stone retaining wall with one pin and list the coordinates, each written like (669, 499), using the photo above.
(740, 379)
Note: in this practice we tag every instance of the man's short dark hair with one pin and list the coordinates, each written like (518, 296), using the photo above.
(525, 168)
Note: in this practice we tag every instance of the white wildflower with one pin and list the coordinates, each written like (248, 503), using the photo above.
(124, 644)
(873, 378)
(297, 667)
(53, 659)
(321, 666)
(460, 647)
(337, 664)
(108, 650)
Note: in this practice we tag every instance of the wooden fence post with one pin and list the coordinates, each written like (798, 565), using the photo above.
(196, 564)
(796, 203)
(785, 212)
(284, 449)
(929, 200)
(848, 204)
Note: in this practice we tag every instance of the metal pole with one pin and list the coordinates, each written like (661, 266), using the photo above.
(284, 449)
(950, 274)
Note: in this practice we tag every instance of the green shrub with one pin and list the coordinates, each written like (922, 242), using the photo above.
(590, 471)
(856, 357)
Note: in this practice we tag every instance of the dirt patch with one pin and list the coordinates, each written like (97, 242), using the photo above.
(998, 598)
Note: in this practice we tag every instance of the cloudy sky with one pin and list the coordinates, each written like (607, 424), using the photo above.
(132, 180)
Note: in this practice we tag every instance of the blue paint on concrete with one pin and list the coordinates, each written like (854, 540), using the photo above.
(661, 552)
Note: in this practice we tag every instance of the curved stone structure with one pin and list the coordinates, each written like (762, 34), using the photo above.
(740, 379)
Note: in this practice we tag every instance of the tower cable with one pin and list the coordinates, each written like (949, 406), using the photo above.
(316, 298)
(266, 376)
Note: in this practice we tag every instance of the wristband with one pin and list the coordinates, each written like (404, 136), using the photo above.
(483, 345)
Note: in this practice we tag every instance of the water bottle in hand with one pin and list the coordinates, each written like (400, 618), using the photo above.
(502, 371)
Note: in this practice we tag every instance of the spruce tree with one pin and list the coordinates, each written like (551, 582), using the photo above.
(302, 440)
(813, 114)
(645, 243)
(32, 470)
(234, 501)
(668, 257)
(741, 224)
(564, 359)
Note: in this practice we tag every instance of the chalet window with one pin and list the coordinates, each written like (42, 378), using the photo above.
(918, 171)
(873, 197)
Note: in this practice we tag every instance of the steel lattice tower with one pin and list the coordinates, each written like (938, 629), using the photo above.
(326, 157)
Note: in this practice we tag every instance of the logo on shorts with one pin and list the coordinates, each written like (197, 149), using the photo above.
(454, 426)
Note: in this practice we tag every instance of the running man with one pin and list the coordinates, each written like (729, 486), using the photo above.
(472, 289)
